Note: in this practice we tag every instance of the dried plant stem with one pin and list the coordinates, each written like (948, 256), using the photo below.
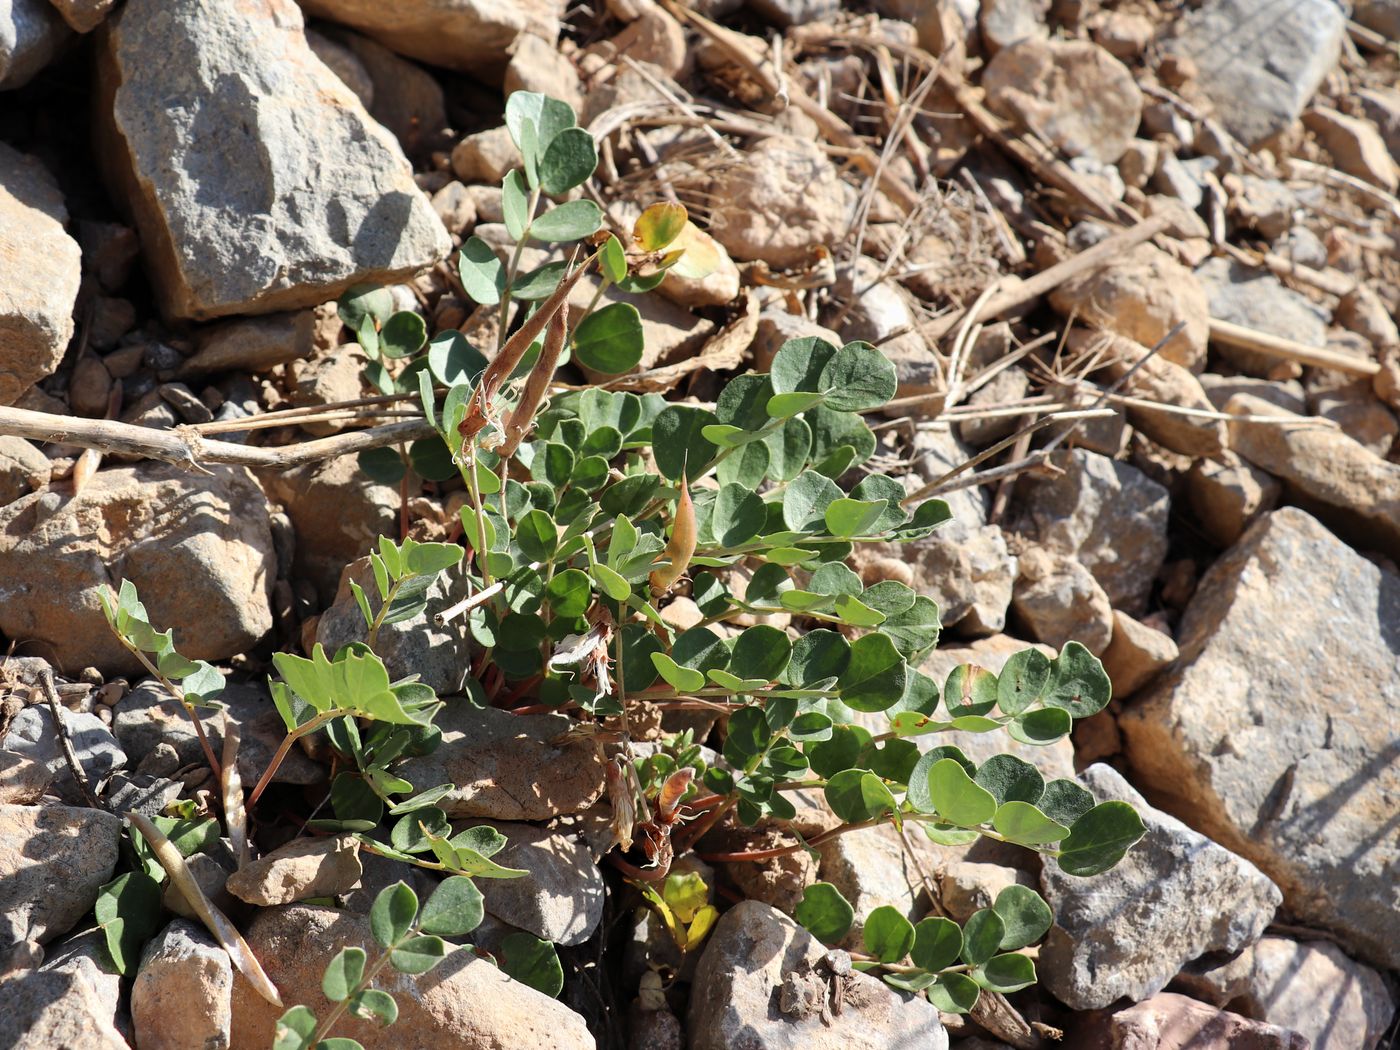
(65, 743)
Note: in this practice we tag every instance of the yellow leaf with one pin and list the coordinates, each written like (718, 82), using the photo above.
(701, 926)
(659, 225)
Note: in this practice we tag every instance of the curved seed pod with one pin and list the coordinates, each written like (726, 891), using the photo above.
(505, 362)
(219, 925)
(235, 816)
(681, 546)
(522, 417)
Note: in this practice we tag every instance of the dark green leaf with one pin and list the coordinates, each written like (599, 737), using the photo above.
(1025, 825)
(1005, 973)
(956, 797)
(1024, 914)
(392, 913)
(953, 993)
(875, 677)
(568, 161)
(858, 378)
(761, 653)
(418, 954)
(824, 913)
(609, 340)
(982, 934)
(374, 1005)
(129, 911)
(1011, 779)
(383, 465)
(1080, 684)
(1065, 801)
(888, 934)
(403, 334)
(937, 944)
(1041, 726)
(343, 973)
(678, 443)
(533, 962)
(1099, 839)
(799, 363)
(855, 795)
(805, 501)
(453, 909)
(1023, 681)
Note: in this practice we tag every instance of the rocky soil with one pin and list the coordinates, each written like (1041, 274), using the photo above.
(1178, 218)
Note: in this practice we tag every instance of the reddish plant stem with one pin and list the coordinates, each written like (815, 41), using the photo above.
(783, 851)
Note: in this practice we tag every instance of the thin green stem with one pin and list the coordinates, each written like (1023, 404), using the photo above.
(179, 694)
(514, 268)
(373, 639)
(324, 1027)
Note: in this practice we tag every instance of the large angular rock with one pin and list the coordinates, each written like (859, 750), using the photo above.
(59, 1009)
(1282, 982)
(1259, 63)
(463, 1003)
(52, 861)
(31, 34)
(1073, 92)
(198, 548)
(277, 190)
(561, 899)
(32, 735)
(1109, 515)
(473, 36)
(181, 969)
(1173, 898)
(1274, 731)
(1324, 470)
(1257, 299)
(1169, 1021)
(508, 767)
(759, 985)
(303, 868)
(42, 267)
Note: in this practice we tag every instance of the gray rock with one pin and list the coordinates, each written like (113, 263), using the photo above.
(1273, 733)
(787, 13)
(1109, 515)
(561, 899)
(1281, 981)
(251, 344)
(1286, 394)
(85, 957)
(757, 960)
(310, 867)
(31, 34)
(1174, 897)
(1058, 600)
(142, 793)
(148, 716)
(407, 100)
(508, 767)
(52, 861)
(1382, 107)
(198, 547)
(32, 734)
(441, 656)
(56, 1009)
(247, 204)
(1258, 63)
(182, 994)
(465, 35)
(1228, 495)
(36, 313)
(1156, 1023)
(1256, 299)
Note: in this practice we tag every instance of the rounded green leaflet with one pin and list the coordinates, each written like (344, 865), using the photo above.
(546, 116)
(1080, 685)
(482, 275)
(455, 908)
(824, 913)
(805, 501)
(858, 378)
(294, 1029)
(1005, 973)
(913, 630)
(612, 259)
(568, 161)
(403, 334)
(569, 221)
(747, 466)
(749, 734)
(392, 913)
(888, 935)
(700, 648)
(418, 954)
(538, 284)
(840, 751)
(817, 656)
(1010, 779)
(1099, 839)
(1040, 727)
(375, 1005)
(742, 403)
(956, 797)
(875, 676)
(855, 795)
(609, 340)
(853, 517)
(1025, 915)
(343, 974)
(1026, 825)
(788, 449)
(569, 593)
(760, 653)
(1023, 681)
(835, 578)
(739, 515)
(677, 441)
(431, 459)
(383, 465)
(128, 909)
(682, 679)
(937, 944)
(532, 961)
(982, 934)
(969, 690)
(799, 363)
(1065, 801)
(918, 794)
(537, 535)
(954, 993)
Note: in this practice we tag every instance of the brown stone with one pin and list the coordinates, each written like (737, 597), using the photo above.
(1136, 654)
(311, 867)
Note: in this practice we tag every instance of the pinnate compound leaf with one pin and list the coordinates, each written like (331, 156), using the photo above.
(888, 934)
(824, 912)
(1099, 839)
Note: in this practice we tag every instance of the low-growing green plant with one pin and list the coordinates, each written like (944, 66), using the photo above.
(411, 942)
